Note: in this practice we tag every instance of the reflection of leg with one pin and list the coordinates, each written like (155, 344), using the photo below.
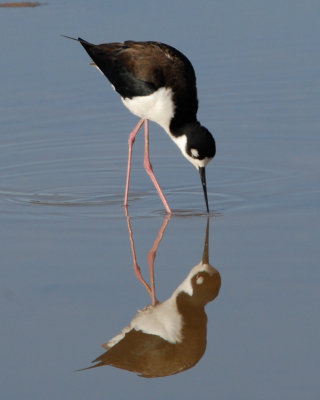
(148, 167)
(137, 269)
(151, 258)
(132, 137)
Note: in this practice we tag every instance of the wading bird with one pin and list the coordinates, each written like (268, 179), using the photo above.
(157, 82)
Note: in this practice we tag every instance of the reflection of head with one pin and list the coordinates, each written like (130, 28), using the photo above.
(201, 285)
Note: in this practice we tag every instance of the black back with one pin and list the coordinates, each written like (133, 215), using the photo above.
(140, 68)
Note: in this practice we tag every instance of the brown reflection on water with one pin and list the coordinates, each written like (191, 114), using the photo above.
(167, 337)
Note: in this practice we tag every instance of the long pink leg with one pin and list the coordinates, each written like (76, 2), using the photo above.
(131, 140)
(148, 167)
(136, 267)
(152, 256)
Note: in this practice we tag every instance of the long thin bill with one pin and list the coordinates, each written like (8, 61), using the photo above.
(202, 172)
(205, 256)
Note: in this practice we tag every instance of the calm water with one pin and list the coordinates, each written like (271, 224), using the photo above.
(67, 283)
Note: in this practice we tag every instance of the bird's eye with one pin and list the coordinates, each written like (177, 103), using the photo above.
(199, 279)
(194, 153)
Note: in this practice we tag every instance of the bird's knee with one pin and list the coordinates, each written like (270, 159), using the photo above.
(147, 165)
(131, 141)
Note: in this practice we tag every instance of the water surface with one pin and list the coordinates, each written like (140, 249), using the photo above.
(67, 278)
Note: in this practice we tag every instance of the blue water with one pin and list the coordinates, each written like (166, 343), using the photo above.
(67, 283)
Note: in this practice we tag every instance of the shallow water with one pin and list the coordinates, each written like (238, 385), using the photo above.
(67, 278)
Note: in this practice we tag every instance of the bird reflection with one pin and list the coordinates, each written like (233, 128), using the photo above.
(167, 337)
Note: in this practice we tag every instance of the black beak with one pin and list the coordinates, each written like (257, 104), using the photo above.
(202, 172)
(205, 256)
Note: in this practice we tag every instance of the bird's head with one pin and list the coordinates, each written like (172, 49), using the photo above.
(201, 285)
(198, 146)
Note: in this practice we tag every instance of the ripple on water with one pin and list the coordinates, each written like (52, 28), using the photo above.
(105, 198)
(62, 174)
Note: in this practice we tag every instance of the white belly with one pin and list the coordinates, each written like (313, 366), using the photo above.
(163, 320)
(157, 107)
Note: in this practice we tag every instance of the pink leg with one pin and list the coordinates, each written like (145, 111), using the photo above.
(148, 167)
(137, 269)
(151, 258)
(131, 140)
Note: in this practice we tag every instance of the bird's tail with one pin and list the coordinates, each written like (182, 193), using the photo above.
(93, 366)
(99, 362)
(79, 39)
(69, 37)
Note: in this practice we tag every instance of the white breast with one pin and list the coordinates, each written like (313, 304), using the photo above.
(157, 107)
(163, 320)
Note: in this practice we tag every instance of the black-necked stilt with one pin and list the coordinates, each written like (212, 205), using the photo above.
(157, 82)
(168, 337)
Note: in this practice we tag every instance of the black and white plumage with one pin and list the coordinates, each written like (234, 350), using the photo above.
(157, 82)
(169, 337)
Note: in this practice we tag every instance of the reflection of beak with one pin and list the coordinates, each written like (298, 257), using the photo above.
(202, 172)
(205, 256)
